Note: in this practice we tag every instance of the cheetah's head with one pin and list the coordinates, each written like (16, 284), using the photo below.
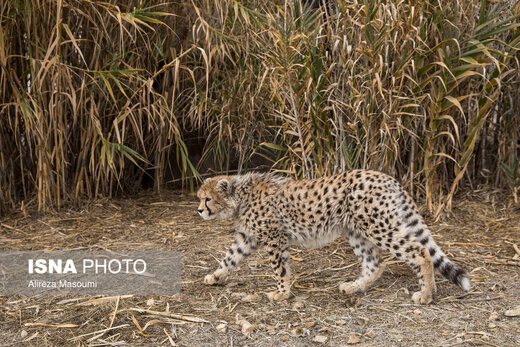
(215, 196)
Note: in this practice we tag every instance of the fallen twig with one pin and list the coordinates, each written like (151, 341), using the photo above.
(65, 325)
(170, 315)
(99, 331)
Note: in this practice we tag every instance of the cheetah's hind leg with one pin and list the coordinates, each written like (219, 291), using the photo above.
(371, 265)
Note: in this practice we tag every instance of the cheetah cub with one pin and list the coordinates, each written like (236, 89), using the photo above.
(369, 208)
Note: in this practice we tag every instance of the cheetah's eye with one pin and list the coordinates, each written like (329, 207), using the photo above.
(208, 198)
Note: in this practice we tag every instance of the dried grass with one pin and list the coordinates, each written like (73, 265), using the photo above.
(480, 234)
(98, 97)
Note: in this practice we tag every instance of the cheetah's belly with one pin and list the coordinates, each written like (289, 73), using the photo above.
(317, 238)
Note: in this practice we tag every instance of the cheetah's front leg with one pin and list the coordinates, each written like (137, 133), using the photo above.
(279, 259)
(240, 249)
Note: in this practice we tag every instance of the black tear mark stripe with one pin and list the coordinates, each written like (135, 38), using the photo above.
(209, 210)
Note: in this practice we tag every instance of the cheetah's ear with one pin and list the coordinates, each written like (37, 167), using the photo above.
(224, 186)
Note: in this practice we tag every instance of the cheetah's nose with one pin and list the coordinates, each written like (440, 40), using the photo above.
(200, 210)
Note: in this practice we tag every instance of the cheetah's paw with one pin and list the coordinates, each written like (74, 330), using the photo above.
(421, 298)
(349, 288)
(277, 296)
(211, 279)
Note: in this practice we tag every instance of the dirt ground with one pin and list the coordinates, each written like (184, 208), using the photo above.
(480, 235)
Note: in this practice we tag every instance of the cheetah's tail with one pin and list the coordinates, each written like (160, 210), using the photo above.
(447, 268)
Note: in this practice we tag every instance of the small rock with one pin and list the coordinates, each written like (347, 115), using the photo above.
(493, 316)
(23, 334)
(150, 302)
(353, 339)
(297, 331)
(222, 328)
(247, 327)
(492, 325)
(298, 305)
(285, 338)
(459, 340)
(251, 298)
(514, 312)
(417, 312)
(310, 324)
(320, 339)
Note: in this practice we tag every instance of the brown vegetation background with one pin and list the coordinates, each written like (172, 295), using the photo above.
(100, 98)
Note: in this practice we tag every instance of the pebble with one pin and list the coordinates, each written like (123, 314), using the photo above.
(514, 312)
(320, 339)
(222, 328)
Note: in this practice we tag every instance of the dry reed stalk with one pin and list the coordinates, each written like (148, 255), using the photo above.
(98, 97)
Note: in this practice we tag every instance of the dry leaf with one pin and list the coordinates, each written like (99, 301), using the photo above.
(298, 331)
(353, 339)
(136, 323)
(371, 334)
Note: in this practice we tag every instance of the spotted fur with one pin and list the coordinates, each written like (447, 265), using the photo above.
(369, 208)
